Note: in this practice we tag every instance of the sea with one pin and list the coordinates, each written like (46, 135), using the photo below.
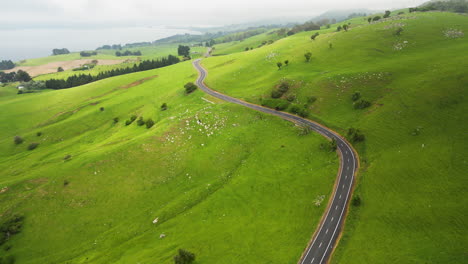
(20, 44)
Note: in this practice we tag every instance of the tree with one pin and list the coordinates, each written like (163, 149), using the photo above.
(376, 18)
(279, 64)
(387, 14)
(164, 107)
(314, 36)
(338, 28)
(286, 62)
(190, 87)
(18, 140)
(308, 55)
(60, 51)
(369, 20)
(345, 27)
(184, 257)
(6, 65)
(149, 123)
(22, 76)
(330, 45)
(59, 69)
(183, 50)
(355, 96)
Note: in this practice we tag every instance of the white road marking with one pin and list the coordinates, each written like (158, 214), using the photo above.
(346, 177)
(326, 232)
(342, 186)
(312, 260)
(340, 196)
(320, 244)
(336, 207)
(347, 168)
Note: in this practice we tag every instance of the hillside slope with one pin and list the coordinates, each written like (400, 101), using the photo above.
(412, 185)
(227, 183)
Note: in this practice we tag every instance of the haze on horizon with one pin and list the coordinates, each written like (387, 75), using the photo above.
(31, 28)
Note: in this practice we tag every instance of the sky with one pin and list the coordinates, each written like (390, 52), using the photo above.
(32, 28)
(81, 13)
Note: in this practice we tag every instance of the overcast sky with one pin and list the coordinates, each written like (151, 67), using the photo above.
(16, 14)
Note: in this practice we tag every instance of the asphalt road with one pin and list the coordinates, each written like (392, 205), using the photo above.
(326, 236)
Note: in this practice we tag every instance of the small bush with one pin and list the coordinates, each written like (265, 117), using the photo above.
(184, 257)
(356, 201)
(10, 226)
(376, 18)
(133, 118)
(116, 120)
(291, 98)
(190, 87)
(398, 31)
(279, 64)
(140, 121)
(128, 122)
(276, 94)
(65, 183)
(101, 108)
(33, 145)
(286, 62)
(164, 107)
(18, 140)
(67, 157)
(330, 146)
(149, 123)
(276, 104)
(361, 104)
(355, 135)
(296, 109)
(283, 87)
(311, 99)
(39, 134)
(355, 96)
(308, 55)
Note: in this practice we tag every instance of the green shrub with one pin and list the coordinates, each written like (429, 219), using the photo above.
(356, 201)
(356, 96)
(398, 31)
(140, 121)
(291, 98)
(361, 104)
(133, 118)
(190, 87)
(149, 123)
(10, 226)
(308, 55)
(284, 86)
(18, 140)
(276, 104)
(39, 134)
(128, 122)
(101, 108)
(164, 107)
(33, 145)
(355, 135)
(376, 18)
(276, 94)
(184, 257)
(311, 99)
(116, 120)
(67, 157)
(65, 183)
(301, 111)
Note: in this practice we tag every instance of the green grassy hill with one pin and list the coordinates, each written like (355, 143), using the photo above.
(412, 183)
(224, 182)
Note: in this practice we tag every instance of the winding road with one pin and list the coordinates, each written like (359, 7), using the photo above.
(326, 236)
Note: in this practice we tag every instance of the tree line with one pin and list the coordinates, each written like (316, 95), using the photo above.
(88, 53)
(128, 53)
(60, 51)
(77, 80)
(6, 65)
(459, 6)
(19, 76)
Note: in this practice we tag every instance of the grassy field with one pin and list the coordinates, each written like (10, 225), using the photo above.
(413, 177)
(227, 183)
(149, 53)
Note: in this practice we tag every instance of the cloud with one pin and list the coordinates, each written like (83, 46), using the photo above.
(75, 13)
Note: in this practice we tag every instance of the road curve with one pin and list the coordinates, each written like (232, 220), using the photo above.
(331, 224)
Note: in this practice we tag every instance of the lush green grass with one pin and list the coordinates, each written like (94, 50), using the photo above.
(227, 183)
(238, 46)
(413, 176)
